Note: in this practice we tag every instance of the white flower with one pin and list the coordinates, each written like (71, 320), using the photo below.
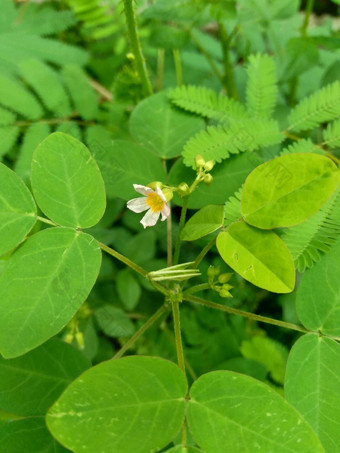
(154, 201)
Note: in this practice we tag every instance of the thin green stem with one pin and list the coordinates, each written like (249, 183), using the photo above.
(133, 266)
(178, 67)
(196, 288)
(204, 251)
(163, 309)
(253, 316)
(178, 337)
(160, 69)
(180, 228)
(49, 222)
(309, 9)
(169, 239)
(228, 78)
(136, 46)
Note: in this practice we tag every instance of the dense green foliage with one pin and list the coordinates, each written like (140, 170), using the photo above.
(224, 116)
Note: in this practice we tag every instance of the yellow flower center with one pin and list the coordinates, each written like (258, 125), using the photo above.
(155, 202)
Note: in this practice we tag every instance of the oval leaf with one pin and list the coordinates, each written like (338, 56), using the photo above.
(43, 285)
(67, 183)
(162, 128)
(126, 405)
(205, 221)
(312, 386)
(230, 412)
(287, 190)
(318, 295)
(260, 257)
(17, 210)
(30, 384)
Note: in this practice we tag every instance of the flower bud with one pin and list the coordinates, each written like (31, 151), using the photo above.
(80, 340)
(225, 293)
(68, 338)
(155, 184)
(130, 56)
(213, 271)
(199, 161)
(183, 189)
(209, 165)
(168, 193)
(224, 278)
(207, 179)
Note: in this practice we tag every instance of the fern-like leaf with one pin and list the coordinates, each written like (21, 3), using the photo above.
(232, 208)
(219, 142)
(315, 235)
(261, 86)
(45, 82)
(332, 134)
(8, 136)
(207, 103)
(302, 146)
(8, 15)
(16, 97)
(6, 117)
(81, 92)
(324, 105)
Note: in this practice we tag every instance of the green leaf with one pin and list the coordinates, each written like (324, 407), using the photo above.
(161, 128)
(230, 412)
(261, 86)
(128, 288)
(30, 384)
(42, 286)
(318, 295)
(67, 183)
(324, 105)
(114, 322)
(126, 405)
(260, 257)
(331, 135)
(17, 210)
(121, 162)
(220, 142)
(27, 436)
(8, 138)
(287, 190)
(81, 92)
(205, 221)
(312, 386)
(181, 449)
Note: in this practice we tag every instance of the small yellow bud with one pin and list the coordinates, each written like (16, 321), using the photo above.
(207, 179)
(68, 338)
(155, 184)
(183, 189)
(80, 340)
(225, 293)
(224, 278)
(209, 165)
(168, 193)
(199, 161)
(213, 271)
(130, 56)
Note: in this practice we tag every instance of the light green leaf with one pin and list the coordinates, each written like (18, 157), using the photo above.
(181, 449)
(121, 162)
(260, 257)
(67, 183)
(331, 135)
(287, 190)
(318, 295)
(43, 285)
(161, 128)
(205, 221)
(114, 322)
(17, 210)
(126, 405)
(28, 435)
(30, 384)
(312, 386)
(230, 412)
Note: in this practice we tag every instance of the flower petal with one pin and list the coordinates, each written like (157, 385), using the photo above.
(137, 204)
(150, 218)
(165, 212)
(160, 193)
(142, 189)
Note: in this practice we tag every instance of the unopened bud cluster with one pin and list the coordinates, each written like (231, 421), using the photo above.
(203, 168)
(219, 282)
